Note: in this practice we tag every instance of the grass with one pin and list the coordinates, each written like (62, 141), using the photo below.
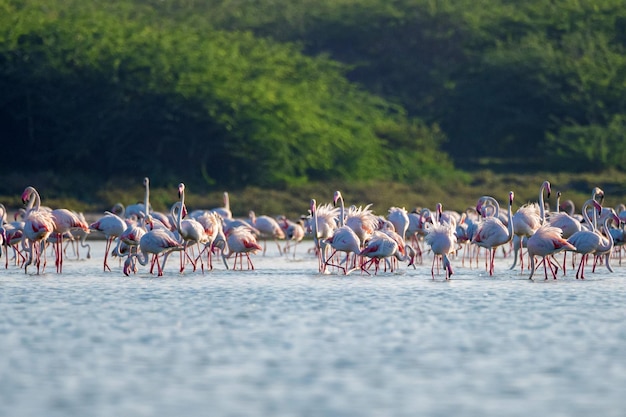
(455, 193)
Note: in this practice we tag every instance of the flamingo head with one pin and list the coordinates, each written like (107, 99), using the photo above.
(598, 193)
(181, 189)
(26, 194)
(146, 181)
(511, 197)
(336, 197)
(546, 186)
(479, 207)
(149, 222)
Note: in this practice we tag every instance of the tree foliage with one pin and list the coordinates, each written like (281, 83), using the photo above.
(127, 92)
(272, 92)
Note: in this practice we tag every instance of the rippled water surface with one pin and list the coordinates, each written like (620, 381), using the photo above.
(285, 341)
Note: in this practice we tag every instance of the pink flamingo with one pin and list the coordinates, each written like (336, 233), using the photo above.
(190, 230)
(64, 222)
(224, 211)
(546, 242)
(213, 229)
(38, 226)
(588, 241)
(112, 226)
(156, 242)
(240, 241)
(294, 233)
(399, 217)
(361, 220)
(492, 234)
(442, 241)
(380, 246)
(529, 218)
(566, 222)
(322, 227)
(268, 227)
(344, 239)
(610, 215)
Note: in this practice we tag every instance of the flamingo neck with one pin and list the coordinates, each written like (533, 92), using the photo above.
(542, 210)
(342, 221)
(146, 199)
(586, 214)
(509, 226)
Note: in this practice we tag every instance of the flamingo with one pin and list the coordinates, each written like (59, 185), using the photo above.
(294, 233)
(268, 227)
(190, 230)
(399, 217)
(545, 242)
(529, 218)
(112, 226)
(381, 246)
(38, 226)
(606, 216)
(212, 223)
(566, 222)
(405, 252)
(344, 239)
(442, 241)
(322, 226)
(64, 221)
(13, 233)
(156, 242)
(240, 241)
(362, 221)
(587, 241)
(225, 210)
(492, 234)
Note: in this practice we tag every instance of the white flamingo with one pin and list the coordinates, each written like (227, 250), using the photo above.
(587, 241)
(112, 226)
(492, 234)
(546, 242)
(38, 226)
(344, 239)
(528, 218)
(442, 241)
(268, 227)
(155, 242)
(240, 241)
(190, 230)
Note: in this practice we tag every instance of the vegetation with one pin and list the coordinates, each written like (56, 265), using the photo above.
(275, 94)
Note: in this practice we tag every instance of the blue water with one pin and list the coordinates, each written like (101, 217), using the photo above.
(285, 341)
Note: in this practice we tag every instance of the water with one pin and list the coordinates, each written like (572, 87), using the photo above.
(284, 341)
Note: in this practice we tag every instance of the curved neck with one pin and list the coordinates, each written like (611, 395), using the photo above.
(34, 201)
(542, 210)
(610, 243)
(586, 214)
(342, 221)
(509, 226)
(491, 200)
(141, 256)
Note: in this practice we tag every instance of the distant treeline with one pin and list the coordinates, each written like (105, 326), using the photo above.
(271, 92)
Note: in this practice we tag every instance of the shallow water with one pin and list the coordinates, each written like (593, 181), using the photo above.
(285, 341)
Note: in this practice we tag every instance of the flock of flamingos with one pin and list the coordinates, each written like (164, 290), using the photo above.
(346, 239)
